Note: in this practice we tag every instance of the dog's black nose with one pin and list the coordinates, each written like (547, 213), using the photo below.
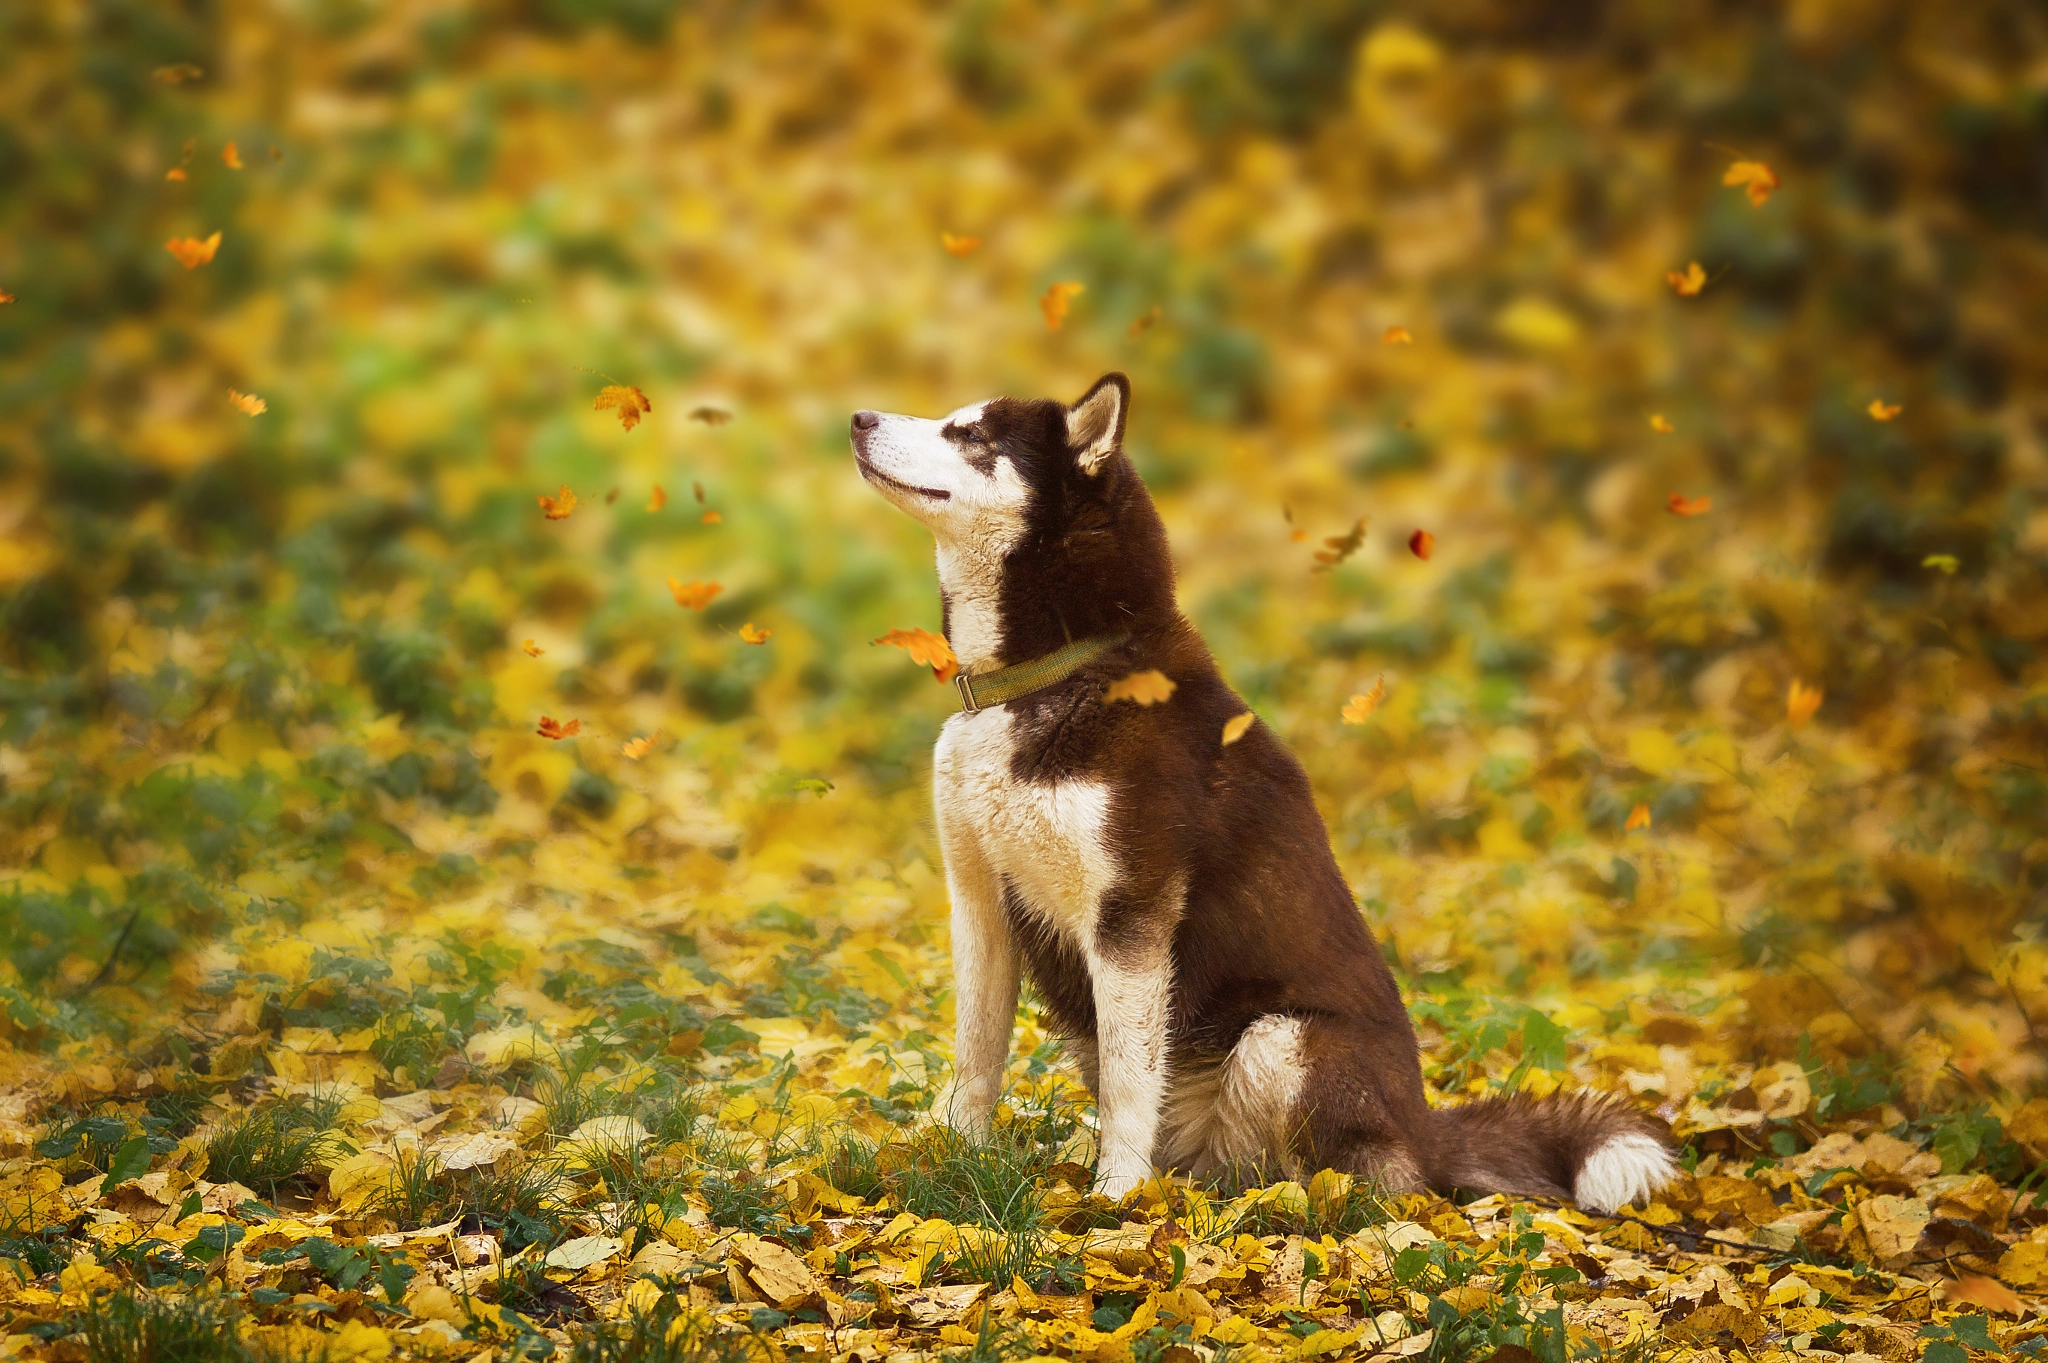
(866, 421)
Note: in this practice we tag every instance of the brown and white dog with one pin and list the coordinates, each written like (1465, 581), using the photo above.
(1174, 899)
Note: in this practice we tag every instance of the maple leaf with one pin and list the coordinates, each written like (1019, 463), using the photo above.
(1880, 410)
(711, 518)
(693, 596)
(558, 507)
(1397, 336)
(1236, 727)
(1149, 687)
(555, 729)
(710, 416)
(1639, 817)
(1340, 547)
(1422, 544)
(247, 403)
(637, 748)
(1660, 424)
(926, 648)
(657, 499)
(1801, 701)
(750, 633)
(1144, 322)
(533, 650)
(628, 400)
(192, 252)
(1056, 300)
(1678, 504)
(1759, 178)
(1688, 284)
(231, 157)
(959, 246)
(1359, 708)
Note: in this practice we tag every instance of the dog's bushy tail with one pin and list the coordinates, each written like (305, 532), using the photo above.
(1589, 1148)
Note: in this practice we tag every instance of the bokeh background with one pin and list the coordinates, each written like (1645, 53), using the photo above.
(266, 704)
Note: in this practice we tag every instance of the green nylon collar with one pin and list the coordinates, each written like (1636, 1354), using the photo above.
(1021, 679)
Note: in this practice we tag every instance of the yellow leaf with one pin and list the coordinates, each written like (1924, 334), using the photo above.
(1235, 727)
(1149, 687)
(231, 157)
(1759, 179)
(1688, 283)
(926, 648)
(1880, 410)
(637, 748)
(693, 596)
(1801, 701)
(750, 633)
(558, 507)
(657, 499)
(959, 246)
(1396, 336)
(626, 399)
(192, 252)
(1948, 563)
(247, 403)
(1359, 708)
(1639, 817)
(1660, 424)
(1056, 300)
(533, 650)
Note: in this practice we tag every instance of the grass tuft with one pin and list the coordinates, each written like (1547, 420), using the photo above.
(276, 1144)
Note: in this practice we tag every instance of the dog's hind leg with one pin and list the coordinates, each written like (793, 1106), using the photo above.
(1361, 1109)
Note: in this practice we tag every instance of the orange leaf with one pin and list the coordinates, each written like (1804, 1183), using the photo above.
(1397, 336)
(959, 246)
(1149, 687)
(627, 399)
(750, 633)
(637, 748)
(248, 403)
(176, 173)
(1689, 284)
(533, 650)
(555, 729)
(693, 596)
(1681, 505)
(1359, 708)
(6, 297)
(1143, 321)
(710, 416)
(231, 157)
(1235, 727)
(191, 251)
(1801, 701)
(657, 499)
(1760, 179)
(1055, 301)
(1339, 547)
(711, 518)
(924, 647)
(1989, 1293)
(1421, 544)
(558, 506)
(1880, 410)
(1639, 817)
(1660, 424)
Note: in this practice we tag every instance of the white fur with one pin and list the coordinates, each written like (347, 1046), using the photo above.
(1237, 1111)
(1622, 1171)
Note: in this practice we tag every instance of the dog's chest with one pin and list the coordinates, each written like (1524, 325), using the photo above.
(1048, 840)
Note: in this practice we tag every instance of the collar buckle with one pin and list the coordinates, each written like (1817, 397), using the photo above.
(966, 689)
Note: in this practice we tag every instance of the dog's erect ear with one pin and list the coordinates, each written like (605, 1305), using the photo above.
(1095, 424)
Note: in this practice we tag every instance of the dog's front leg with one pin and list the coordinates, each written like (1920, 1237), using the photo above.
(1133, 987)
(985, 971)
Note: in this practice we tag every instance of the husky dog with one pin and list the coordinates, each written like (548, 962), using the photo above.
(1173, 897)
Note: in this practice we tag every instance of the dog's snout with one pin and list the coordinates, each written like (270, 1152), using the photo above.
(866, 421)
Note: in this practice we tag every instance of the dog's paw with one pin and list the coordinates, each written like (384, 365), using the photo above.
(959, 1109)
(1116, 1185)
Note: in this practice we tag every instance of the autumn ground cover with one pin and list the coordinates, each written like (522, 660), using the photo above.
(466, 876)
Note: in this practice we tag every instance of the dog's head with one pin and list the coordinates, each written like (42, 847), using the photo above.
(1044, 530)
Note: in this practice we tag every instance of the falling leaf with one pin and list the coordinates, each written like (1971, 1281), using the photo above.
(1149, 687)
(694, 596)
(926, 648)
(1340, 547)
(1760, 179)
(1236, 726)
(1055, 301)
(1948, 563)
(710, 416)
(192, 252)
(610, 496)
(1688, 284)
(1639, 817)
(959, 246)
(1295, 533)
(1421, 544)
(657, 499)
(1660, 424)
(1359, 708)
(1397, 336)
(555, 729)
(6, 297)
(175, 173)
(558, 506)
(1144, 321)
(1988, 1293)
(711, 518)
(1880, 410)
(637, 748)
(177, 74)
(698, 490)
(1801, 701)
(750, 633)
(1681, 505)
(629, 401)
(231, 157)
(248, 403)
(533, 650)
